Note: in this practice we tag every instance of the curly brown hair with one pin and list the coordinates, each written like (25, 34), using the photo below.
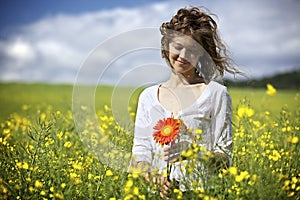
(201, 27)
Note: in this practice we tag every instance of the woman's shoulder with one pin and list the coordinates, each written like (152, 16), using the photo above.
(149, 92)
(218, 91)
(217, 87)
(218, 94)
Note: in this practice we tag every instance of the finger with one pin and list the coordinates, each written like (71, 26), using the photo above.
(162, 180)
(163, 196)
(168, 183)
(171, 158)
(174, 156)
(165, 189)
(171, 152)
(166, 149)
(154, 180)
(174, 151)
(147, 178)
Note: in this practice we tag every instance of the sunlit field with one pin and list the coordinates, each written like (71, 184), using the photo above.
(44, 157)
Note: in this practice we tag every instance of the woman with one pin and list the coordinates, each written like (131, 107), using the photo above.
(194, 94)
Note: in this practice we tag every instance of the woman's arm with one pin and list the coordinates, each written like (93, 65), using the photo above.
(142, 149)
(222, 131)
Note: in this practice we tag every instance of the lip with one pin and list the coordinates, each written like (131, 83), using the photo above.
(182, 62)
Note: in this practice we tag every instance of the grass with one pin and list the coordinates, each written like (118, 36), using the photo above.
(287, 99)
(14, 95)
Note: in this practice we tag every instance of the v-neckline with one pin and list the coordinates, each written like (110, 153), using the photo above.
(181, 110)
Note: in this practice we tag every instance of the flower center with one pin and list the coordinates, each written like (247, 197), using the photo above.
(167, 130)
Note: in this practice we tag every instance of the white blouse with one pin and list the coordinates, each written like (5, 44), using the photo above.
(211, 112)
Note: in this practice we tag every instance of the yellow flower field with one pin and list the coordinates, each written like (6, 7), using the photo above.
(44, 157)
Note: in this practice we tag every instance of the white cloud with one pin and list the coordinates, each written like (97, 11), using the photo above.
(55, 47)
(263, 37)
(20, 50)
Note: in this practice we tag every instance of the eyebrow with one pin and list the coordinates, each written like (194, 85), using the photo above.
(193, 46)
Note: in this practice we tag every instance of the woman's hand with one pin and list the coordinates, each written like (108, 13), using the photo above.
(165, 186)
(162, 183)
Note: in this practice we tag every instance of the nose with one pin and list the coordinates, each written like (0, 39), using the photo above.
(183, 53)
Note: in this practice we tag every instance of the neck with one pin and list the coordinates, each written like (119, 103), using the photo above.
(177, 80)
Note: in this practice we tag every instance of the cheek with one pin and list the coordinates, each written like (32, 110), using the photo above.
(173, 55)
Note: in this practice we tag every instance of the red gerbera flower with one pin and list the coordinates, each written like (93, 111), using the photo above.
(166, 130)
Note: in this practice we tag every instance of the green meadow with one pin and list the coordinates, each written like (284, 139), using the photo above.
(14, 95)
(43, 154)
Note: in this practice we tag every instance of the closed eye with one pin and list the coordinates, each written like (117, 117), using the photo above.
(178, 46)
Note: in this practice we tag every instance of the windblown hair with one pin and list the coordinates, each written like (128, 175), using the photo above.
(202, 28)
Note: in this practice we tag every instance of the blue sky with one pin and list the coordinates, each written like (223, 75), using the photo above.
(16, 13)
(52, 40)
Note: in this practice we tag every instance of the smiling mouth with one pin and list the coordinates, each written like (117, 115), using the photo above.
(182, 62)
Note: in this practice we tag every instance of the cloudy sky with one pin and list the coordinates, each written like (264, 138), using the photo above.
(117, 41)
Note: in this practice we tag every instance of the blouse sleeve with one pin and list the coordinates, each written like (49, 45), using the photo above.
(142, 149)
(221, 123)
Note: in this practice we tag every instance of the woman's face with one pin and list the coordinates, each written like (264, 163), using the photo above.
(184, 53)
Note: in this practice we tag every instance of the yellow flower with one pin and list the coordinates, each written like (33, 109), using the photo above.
(73, 175)
(38, 184)
(63, 185)
(275, 155)
(90, 176)
(291, 194)
(243, 175)
(59, 196)
(187, 154)
(135, 175)
(271, 91)
(136, 191)
(128, 186)
(232, 170)
(245, 111)
(59, 135)
(3, 189)
(293, 140)
(23, 165)
(108, 173)
(58, 113)
(31, 189)
(129, 183)
(77, 166)
(254, 177)
(68, 144)
(128, 197)
(178, 192)
(77, 181)
(43, 116)
(198, 131)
